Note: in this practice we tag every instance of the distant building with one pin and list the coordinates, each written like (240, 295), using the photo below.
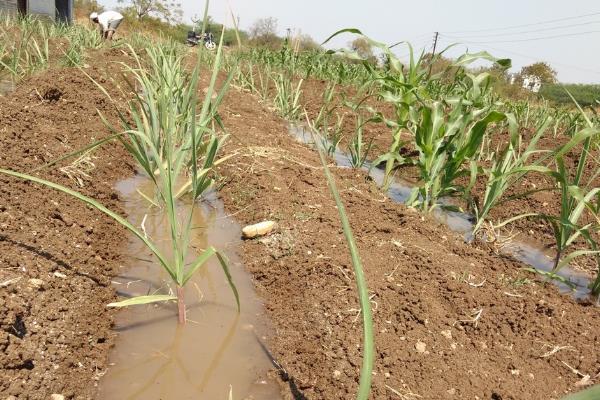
(529, 82)
(59, 10)
(532, 82)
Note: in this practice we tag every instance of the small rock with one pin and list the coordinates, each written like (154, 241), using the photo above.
(451, 392)
(57, 397)
(36, 283)
(337, 374)
(59, 275)
(260, 229)
(420, 347)
(447, 334)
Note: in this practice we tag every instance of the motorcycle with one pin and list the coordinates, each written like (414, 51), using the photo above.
(193, 39)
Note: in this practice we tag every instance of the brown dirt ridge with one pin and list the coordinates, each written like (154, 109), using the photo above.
(452, 321)
(56, 255)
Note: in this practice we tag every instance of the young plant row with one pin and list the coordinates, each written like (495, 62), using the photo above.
(173, 138)
(27, 45)
(449, 121)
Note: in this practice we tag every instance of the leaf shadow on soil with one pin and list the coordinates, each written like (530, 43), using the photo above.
(283, 375)
(52, 258)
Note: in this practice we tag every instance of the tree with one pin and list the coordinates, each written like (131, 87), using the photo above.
(540, 69)
(167, 10)
(264, 32)
(363, 48)
(263, 27)
(306, 42)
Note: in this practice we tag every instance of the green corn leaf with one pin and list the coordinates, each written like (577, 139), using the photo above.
(551, 275)
(571, 256)
(364, 388)
(134, 301)
(99, 207)
(202, 259)
(592, 393)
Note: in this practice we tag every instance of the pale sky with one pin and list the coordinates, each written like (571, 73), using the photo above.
(564, 32)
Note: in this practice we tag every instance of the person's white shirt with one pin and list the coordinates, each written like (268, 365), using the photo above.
(107, 17)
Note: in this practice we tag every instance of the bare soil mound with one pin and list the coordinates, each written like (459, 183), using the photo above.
(56, 255)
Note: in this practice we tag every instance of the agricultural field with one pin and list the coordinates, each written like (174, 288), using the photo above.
(420, 236)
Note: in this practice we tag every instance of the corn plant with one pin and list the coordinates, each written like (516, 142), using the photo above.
(445, 145)
(405, 86)
(167, 136)
(162, 113)
(361, 284)
(327, 108)
(358, 149)
(287, 97)
(576, 197)
(508, 167)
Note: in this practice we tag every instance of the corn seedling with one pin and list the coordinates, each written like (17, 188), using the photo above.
(26, 54)
(327, 109)
(332, 135)
(567, 228)
(166, 129)
(358, 149)
(176, 266)
(444, 147)
(508, 168)
(287, 97)
(167, 140)
(363, 291)
(576, 197)
(74, 55)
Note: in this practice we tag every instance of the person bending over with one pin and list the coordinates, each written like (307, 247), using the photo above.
(109, 21)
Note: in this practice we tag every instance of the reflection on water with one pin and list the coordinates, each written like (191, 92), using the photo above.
(532, 254)
(155, 357)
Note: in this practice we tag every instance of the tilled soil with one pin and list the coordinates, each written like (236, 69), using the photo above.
(56, 255)
(451, 320)
(541, 197)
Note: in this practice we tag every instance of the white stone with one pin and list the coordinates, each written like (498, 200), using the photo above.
(260, 229)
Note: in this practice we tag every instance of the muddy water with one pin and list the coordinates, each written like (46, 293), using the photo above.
(218, 350)
(532, 254)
